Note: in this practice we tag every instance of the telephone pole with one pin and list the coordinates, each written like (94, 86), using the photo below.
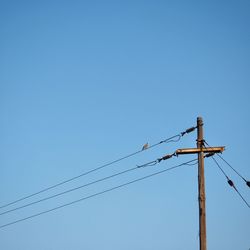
(200, 150)
(201, 186)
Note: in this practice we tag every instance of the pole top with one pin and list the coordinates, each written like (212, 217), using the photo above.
(199, 121)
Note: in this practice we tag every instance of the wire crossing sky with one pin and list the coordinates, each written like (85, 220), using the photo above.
(99, 193)
(244, 179)
(230, 182)
(95, 181)
(83, 81)
(173, 138)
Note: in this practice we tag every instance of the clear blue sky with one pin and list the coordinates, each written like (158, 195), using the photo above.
(83, 83)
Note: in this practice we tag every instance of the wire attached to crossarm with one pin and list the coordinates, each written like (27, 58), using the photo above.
(152, 163)
(174, 138)
(96, 194)
(246, 181)
(230, 182)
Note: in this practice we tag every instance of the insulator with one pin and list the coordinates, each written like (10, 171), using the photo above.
(189, 130)
(230, 182)
(166, 157)
(209, 154)
(248, 183)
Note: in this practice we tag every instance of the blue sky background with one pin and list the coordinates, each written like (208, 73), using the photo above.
(83, 83)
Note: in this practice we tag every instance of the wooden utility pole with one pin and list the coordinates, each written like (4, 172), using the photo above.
(201, 186)
(200, 150)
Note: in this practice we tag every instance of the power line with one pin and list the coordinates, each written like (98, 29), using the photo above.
(174, 138)
(152, 163)
(247, 182)
(230, 182)
(68, 191)
(97, 194)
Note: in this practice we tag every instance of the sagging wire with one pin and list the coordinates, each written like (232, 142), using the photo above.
(179, 136)
(168, 140)
(168, 156)
(152, 163)
(95, 194)
(68, 191)
(229, 181)
(172, 139)
(191, 164)
(246, 181)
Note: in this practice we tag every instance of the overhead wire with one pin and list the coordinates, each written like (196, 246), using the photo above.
(67, 191)
(86, 185)
(246, 181)
(96, 194)
(152, 163)
(174, 138)
(230, 182)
